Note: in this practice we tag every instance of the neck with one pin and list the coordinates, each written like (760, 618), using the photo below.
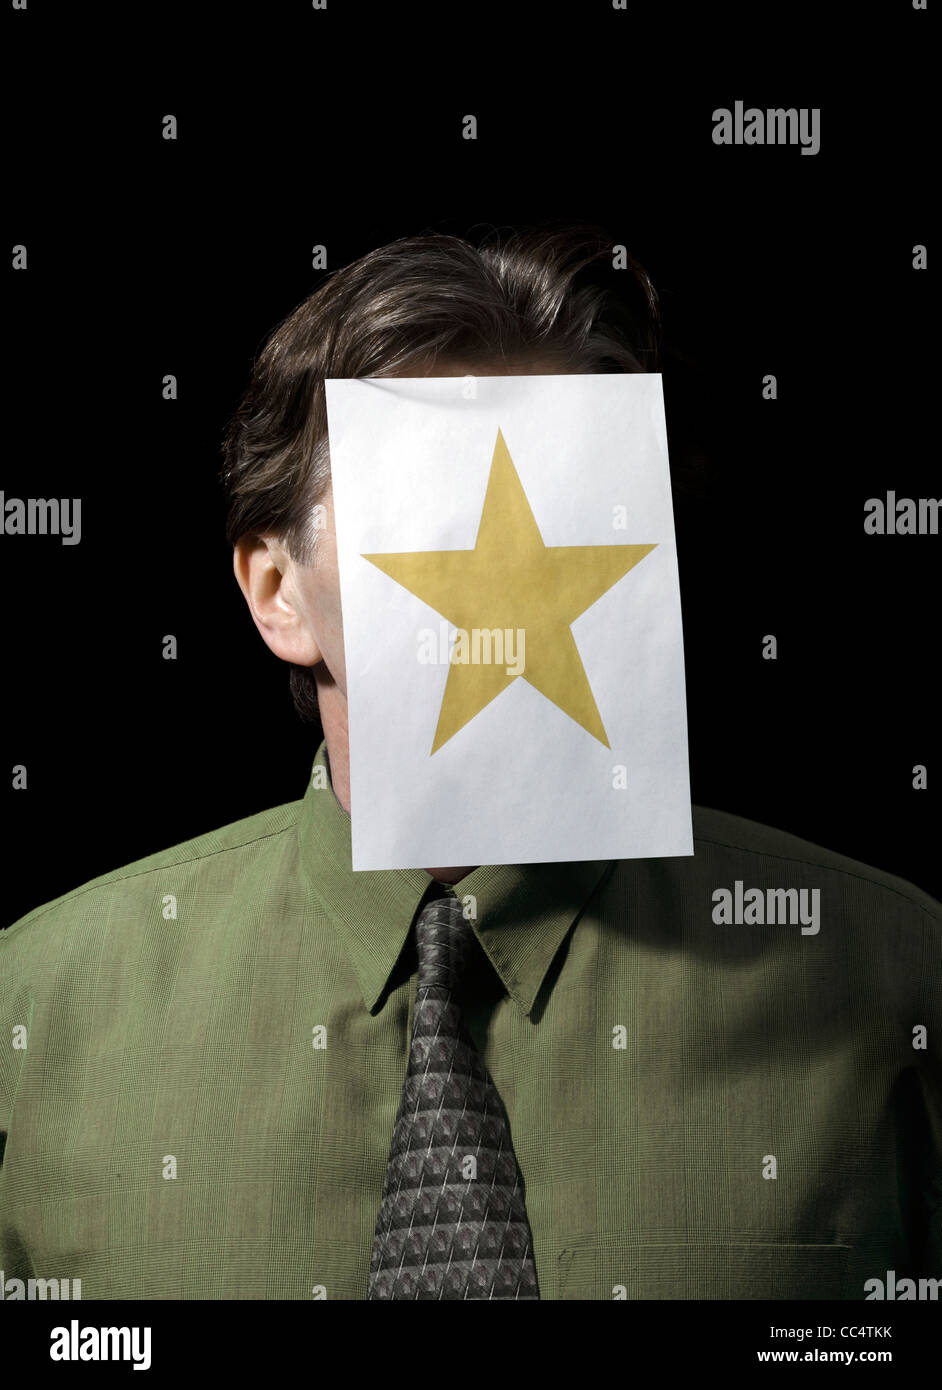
(332, 704)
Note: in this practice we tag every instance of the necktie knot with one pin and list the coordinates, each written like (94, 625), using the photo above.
(445, 940)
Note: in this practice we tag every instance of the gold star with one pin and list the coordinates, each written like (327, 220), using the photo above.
(513, 582)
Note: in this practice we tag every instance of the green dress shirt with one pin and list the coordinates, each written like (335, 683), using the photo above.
(202, 1054)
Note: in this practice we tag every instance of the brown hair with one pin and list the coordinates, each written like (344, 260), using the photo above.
(553, 290)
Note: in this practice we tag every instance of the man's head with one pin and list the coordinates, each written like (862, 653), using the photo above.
(545, 300)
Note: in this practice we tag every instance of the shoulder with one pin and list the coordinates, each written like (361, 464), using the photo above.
(224, 855)
(726, 841)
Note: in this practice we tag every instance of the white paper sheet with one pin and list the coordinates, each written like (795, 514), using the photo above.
(521, 781)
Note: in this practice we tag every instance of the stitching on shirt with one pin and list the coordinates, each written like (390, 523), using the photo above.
(829, 868)
(119, 875)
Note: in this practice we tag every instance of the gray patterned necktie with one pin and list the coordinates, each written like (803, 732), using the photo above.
(452, 1221)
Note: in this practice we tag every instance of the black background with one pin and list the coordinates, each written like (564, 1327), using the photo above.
(343, 127)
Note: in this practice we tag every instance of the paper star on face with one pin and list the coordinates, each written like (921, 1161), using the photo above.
(513, 583)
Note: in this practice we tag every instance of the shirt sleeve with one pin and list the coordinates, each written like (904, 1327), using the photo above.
(16, 1017)
(926, 1040)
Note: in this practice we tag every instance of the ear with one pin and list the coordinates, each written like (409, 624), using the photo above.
(263, 571)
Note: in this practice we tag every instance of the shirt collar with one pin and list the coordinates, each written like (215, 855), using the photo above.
(523, 910)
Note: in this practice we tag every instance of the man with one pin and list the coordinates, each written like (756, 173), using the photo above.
(237, 1069)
